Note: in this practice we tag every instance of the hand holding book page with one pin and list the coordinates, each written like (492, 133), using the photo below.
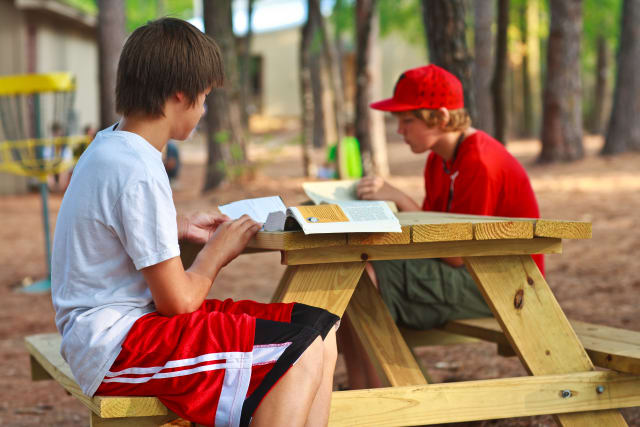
(258, 209)
(345, 217)
(336, 191)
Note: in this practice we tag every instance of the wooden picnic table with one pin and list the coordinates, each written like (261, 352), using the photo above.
(327, 271)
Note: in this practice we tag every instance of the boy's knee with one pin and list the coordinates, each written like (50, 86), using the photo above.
(312, 359)
(330, 348)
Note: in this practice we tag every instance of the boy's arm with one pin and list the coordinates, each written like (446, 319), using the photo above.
(176, 291)
(376, 188)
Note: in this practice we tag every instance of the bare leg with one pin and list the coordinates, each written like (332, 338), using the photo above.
(319, 413)
(289, 401)
(360, 370)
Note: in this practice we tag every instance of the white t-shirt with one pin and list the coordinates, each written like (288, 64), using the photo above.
(117, 217)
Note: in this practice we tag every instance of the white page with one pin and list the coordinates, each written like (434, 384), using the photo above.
(363, 216)
(331, 191)
(258, 209)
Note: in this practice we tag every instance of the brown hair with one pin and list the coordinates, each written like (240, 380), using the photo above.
(459, 119)
(162, 58)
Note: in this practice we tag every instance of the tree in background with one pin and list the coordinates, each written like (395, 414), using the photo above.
(498, 82)
(111, 37)
(623, 132)
(528, 12)
(369, 125)
(562, 103)
(225, 137)
(306, 95)
(484, 12)
(445, 26)
(244, 65)
(334, 79)
(601, 29)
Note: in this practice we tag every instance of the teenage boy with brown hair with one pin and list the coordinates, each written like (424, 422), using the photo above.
(133, 321)
(467, 172)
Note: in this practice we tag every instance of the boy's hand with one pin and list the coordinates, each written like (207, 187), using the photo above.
(374, 188)
(199, 227)
(230, 239)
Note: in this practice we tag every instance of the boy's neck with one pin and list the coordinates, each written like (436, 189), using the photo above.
(446, 145)
(154, 130)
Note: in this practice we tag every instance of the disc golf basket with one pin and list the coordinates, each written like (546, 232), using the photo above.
(36, 118)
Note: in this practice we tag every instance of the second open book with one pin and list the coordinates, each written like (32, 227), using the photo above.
(331, 216)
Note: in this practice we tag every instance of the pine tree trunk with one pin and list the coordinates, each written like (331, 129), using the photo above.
(600, 90)
(623, 132)
(224, 130)
(378, 132)
(365, 43)
(527, 98)
(306, 96)
(445, 25)
(562, 119)
(111, 37)
(484, 12)
(317, 86)
(334, 79)
(499, 81)
(244, 65)
(533, 59)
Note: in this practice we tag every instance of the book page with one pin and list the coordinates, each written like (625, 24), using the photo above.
(258, 209)
(350, 217)
(331, 191)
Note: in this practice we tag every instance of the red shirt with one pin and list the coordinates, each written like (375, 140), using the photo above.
(483, 178)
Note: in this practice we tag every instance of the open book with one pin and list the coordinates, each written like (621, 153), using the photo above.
(335, 191)
(343, 217)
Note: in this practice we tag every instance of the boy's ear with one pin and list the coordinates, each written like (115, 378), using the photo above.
(180, 96)
(444, 116)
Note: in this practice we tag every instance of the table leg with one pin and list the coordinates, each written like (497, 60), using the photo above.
(328, 286)
(535, 325)
(380, 336)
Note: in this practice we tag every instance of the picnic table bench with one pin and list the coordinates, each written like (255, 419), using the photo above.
(327, 271)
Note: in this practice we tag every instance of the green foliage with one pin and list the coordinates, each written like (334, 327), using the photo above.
(222, 137)
(87, 6)
(139, 12)
(403, 17)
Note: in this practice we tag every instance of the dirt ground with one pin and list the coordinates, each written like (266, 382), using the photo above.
(594, 280)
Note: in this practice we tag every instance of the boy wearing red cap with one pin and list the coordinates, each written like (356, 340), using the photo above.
(467, 172)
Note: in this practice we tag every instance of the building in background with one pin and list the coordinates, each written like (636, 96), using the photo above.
(42, 36)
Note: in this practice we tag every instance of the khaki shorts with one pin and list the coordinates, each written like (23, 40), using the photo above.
(426, 293)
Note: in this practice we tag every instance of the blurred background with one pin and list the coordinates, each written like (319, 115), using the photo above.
(556, 81)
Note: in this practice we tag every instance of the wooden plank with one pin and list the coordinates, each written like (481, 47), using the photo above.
(291, 240)
(563, 229)
(38, 373)
(534, 323)
(442, 232)
(327, 286)
(380, 336)
(154, 421)
(484, 400)
(503, 230)
(45, 349)
(423, 250)
(380, 238)
(430, 337)
(607, 347)
(283, 284)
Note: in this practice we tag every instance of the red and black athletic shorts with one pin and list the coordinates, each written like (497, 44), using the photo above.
(215, 365)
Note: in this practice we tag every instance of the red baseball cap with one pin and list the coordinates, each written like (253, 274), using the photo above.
(428, 87)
